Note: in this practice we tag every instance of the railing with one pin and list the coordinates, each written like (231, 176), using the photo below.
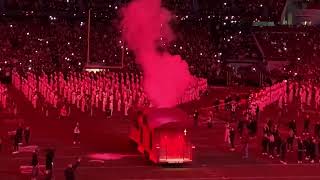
(259, 47)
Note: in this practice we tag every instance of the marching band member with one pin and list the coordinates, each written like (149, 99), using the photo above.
(55, 101)
(126, 107)
(63, 111)
(34, 101)
(69, 97)
(65, 90)
(104, 102)
(97, 100)
(74, 96)
(119, 105)
(76, 136)
(309, 96)
(291, 89)
(93, 97)
(317, 100)
(111, 107)
(83, 103)
(78, 100)
(52, 97)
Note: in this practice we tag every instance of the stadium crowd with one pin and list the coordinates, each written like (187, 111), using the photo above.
(204, 40)
(48, 52)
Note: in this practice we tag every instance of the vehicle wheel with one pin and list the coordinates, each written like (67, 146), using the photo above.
(133, 144)
(146, 156)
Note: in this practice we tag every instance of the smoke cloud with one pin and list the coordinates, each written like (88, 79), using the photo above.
(166, 77)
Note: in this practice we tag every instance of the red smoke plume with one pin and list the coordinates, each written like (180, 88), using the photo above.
(166, 77)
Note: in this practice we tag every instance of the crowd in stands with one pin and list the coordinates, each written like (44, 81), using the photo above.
(221, 33)
(35, 6)
(106, 45)
(44, 46)
(260, 10)
(285, 43)
(48, 54)
(3, 96)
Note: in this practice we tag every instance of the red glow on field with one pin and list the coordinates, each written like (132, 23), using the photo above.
(172, 146)
(28, 169)
(107, 156)
(28, 149)
(166, 77)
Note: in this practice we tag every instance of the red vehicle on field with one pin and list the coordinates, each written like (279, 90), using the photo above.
(162, 135)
